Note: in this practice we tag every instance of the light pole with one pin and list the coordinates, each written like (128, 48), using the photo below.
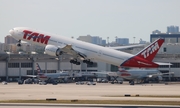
(108, 41)
(7, 67)
(116, 40)
(134, 39)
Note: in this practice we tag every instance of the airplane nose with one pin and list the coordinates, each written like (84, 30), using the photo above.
(11, 31)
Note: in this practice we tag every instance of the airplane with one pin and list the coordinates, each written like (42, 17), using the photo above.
(45, 77)
(135, 74)
(56, 45)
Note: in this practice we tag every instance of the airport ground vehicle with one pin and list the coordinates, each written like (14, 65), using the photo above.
(28, 81)
(91, 83)
(79, 83)
(4, 83)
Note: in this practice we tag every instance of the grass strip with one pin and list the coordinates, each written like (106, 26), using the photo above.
(152, 96)
(96, 102)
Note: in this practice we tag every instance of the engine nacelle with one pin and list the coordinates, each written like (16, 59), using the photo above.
(53, 50)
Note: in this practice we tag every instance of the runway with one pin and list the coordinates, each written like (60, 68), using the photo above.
(101, 91)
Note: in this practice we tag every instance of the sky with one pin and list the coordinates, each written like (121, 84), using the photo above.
(104, 18)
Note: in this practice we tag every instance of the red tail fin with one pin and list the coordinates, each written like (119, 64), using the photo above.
(144, 58)
(150, 51)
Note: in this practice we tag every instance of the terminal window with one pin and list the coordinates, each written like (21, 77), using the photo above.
(26, 65)
(93, 65)
(13, 65)
(164, 49)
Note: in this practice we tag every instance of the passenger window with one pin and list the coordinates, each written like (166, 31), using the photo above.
(164, 49)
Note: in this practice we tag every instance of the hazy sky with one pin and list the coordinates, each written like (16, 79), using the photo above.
(104, 18)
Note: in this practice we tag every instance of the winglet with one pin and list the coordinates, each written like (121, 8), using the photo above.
(150, 51)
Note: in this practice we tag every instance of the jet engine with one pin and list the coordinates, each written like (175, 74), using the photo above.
(53, 50)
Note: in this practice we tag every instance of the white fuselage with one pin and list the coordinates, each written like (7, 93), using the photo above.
(92, 51)
(47, 76)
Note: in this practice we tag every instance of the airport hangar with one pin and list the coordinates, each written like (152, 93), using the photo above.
(16, 66)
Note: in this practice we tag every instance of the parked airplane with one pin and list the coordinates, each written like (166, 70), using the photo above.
(56, 45)
(44, 77)
(136, 74)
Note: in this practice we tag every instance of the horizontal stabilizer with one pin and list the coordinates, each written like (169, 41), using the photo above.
(161, 63)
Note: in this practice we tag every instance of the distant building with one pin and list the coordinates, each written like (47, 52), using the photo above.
(172, 30)
(169, 38)
(103, 42)
(2, 47)
(10, 40)
(142, 41)
(92, 39)
(156, 32)
(87, 38)
(122, 41)
(97, 40)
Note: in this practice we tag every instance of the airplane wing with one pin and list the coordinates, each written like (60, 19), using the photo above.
(125, 47)
(32, 76)
(100, 72)
(161, 63)
(68, 49)
(107, 73)
(159, 74)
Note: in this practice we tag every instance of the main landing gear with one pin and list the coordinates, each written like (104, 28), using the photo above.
(84, 61)
(75, 62)
(88, 62)
(19, 43)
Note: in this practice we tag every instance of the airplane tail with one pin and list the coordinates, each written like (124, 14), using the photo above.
(144, 57)
(39, 71)
(150, 51)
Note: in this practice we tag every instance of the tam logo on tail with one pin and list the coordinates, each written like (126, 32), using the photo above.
(149, 52)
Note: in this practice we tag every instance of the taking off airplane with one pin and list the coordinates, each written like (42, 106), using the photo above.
(56, 45)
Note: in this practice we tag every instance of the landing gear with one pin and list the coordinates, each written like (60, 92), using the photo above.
(88, 62)
(19, 43)
(84, 61)
(75, 62)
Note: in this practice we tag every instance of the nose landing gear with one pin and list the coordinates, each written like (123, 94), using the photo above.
(19, 43)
